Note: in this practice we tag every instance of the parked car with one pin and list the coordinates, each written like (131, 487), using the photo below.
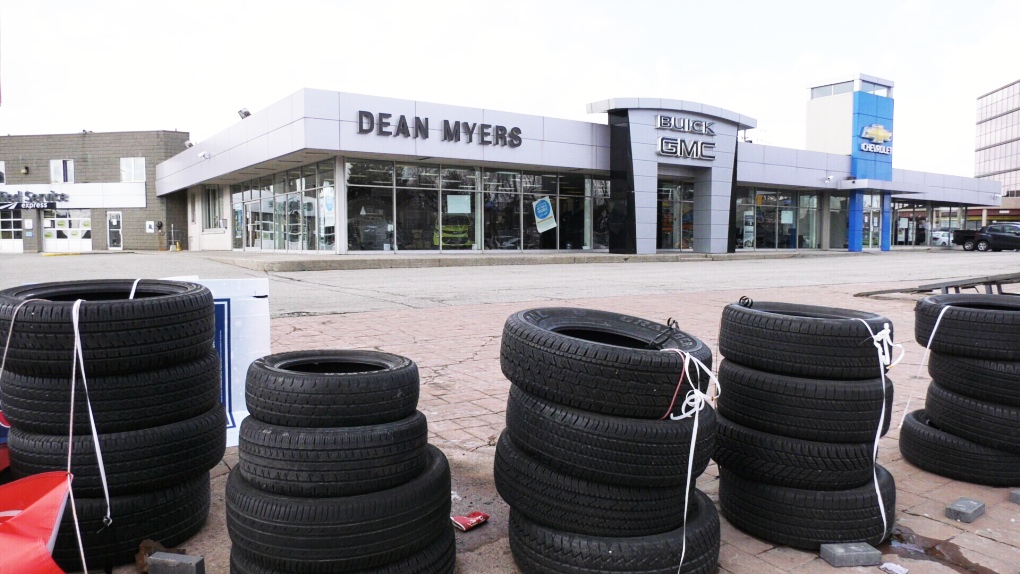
(997, 237)
(964, 237)
(941, 238)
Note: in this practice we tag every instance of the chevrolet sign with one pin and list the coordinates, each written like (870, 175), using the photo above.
(878, 136)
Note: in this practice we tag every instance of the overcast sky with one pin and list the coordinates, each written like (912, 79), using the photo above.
(103, 65)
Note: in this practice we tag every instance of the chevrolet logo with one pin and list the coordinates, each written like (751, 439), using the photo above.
(876, 133)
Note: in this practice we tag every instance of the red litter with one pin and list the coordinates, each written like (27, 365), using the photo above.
(468, 522)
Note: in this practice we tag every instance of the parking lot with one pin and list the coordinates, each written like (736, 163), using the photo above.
(449, 320)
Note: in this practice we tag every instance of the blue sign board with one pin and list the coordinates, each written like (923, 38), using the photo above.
(871, 153)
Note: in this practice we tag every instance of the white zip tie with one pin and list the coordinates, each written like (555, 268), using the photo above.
(133, 287)
(693, 403)
(79, 356)
(924, 361)
(884, 345)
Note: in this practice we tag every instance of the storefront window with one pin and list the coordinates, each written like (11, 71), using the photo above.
(533, 238)
(745, 231)
(459, 216)
(598, 191)
(574, 213)
(361, 172)
(808, 222)
(839, 221)
(370, 218)
(675, 219)
(502, 220)
(417, 218)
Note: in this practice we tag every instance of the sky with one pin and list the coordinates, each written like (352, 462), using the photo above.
(106, 65)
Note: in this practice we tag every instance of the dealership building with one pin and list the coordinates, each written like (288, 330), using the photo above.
(73, 193)
(338, 173)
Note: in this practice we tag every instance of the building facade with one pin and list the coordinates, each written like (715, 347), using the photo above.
(71, 193)
(345, 173)
(997, 151)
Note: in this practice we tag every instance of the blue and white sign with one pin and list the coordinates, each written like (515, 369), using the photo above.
(544, 218)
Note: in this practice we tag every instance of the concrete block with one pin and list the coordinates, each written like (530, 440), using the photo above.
(166, 563)
(965, 510)
(850, 554)
(1014, 495)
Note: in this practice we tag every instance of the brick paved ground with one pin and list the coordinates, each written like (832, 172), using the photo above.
(464, 395)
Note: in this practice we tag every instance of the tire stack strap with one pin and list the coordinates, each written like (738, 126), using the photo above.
(969, 429)
(693, 404)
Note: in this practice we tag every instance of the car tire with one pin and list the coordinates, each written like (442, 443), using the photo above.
(968, 245)
(539, 549)
(598, 361)
(791, 462)
(988, 424)
(135, 461)
(341, 534)
(167, 323)
(807, 409)
(120, 403)
(982, 379)
(808, 518)
(574, 504)
(170, 516)
(977, 326)
(801, 340)
(329, 462)
(607, 449)
(437, 558)
(338, 388)
(926, 446)
(982, 246)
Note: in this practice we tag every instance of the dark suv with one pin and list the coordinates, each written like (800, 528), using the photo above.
(997, 237)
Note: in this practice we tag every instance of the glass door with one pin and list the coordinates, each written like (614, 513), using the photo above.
(114, 224)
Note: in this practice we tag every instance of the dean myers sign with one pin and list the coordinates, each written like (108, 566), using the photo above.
(685, 147)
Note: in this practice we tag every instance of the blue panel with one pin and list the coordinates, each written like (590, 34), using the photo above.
(872, 117)
(855, 228)
(886, 221)
(865, 103)
(884, 108)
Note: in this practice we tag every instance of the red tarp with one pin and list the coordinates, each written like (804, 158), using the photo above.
(30, 512)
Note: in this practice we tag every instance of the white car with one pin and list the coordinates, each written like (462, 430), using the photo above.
(941, 238)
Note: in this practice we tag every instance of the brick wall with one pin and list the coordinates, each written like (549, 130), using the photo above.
(97, 159)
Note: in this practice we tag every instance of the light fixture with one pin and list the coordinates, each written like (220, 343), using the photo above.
(243, 112)
(187, 143)
(203, 155)
(828, 178)
(24, 170)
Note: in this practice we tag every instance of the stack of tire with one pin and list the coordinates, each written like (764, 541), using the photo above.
(969, 429)
(153, 378)
(798, 413)
(335, 472)
(595, 480)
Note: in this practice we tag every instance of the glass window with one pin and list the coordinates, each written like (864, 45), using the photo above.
(327, 218)
(132, 169)
(459, 178)
(502, 220)
(370, 218)
(538, 183)
(500, 181)
(458, 229)
(599, 192)
(675, 217)
(842, 87)
(821, 92)
(211, 209)
(61, 171)
(307, 178)
(267, 230)
(417, 218)
(533, 238)
(3, 172)
(361, 172)
(426, 176)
